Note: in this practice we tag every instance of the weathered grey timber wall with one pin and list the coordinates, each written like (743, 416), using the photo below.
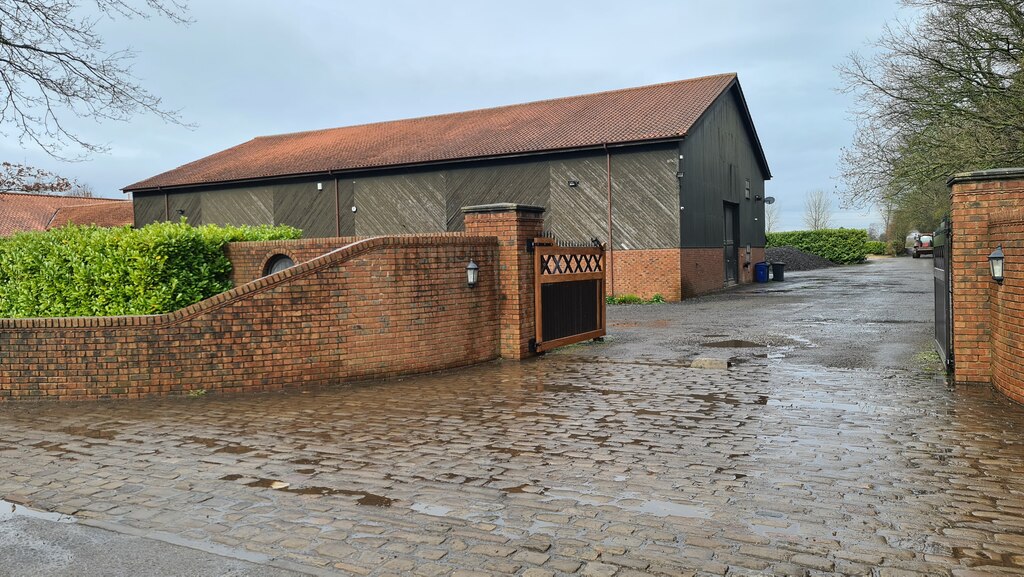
(644, 190)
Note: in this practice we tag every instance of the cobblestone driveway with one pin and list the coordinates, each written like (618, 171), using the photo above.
(604, 459)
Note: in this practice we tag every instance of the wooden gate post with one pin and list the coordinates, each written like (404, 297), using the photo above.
(514, 225)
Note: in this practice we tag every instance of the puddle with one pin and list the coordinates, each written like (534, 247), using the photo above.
(10, 510)
(733, 344)
(365, 498)
(667, 508)
(235, 449)
(210, 443)
(56, 448)
(433, 510)
(809, 404)
(90, 433)
(231, 477)
(633, 502)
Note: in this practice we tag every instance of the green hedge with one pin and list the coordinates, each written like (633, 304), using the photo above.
(92, 271)
(839, 245)
(876, 247)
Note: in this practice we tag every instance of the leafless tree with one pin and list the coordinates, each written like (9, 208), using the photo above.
(55, 65)
(82, 190)
(817, 210)
(29, 179)
(771, 217)
(941, 94)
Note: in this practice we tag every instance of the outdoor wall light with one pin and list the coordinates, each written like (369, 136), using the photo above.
(573, 183)
(472, 272)
(995, 264)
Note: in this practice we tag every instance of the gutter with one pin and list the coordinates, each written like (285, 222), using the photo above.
(426, 163)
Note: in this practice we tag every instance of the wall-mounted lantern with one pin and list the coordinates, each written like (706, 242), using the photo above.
(573, 183)
(472, 272)
(995, 264)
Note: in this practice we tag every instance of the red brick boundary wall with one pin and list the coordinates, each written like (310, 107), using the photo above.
(380, 307)
(988, 317)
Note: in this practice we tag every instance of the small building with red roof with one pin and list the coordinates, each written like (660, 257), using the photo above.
(22, 212)
(670, 176)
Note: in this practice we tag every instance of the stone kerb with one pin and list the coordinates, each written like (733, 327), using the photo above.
(513, 225)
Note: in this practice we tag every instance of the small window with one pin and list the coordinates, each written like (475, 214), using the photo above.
(277, 263)
(747, 190)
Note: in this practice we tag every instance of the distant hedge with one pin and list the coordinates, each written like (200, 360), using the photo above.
(839, 245)
(876, 247)
(92, 271)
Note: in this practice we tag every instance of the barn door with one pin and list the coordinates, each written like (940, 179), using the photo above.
(729, 243)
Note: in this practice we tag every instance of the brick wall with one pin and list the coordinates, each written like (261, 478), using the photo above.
(513, 225)
(702, 269)
(675, 273)
(382, 307)
(1007, 307)
(249, 259)
(976, 198)
(646, 273)
(988, 318)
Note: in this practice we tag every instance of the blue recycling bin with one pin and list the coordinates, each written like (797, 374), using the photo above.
(761, 272)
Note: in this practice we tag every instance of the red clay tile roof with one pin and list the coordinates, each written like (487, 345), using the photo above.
(117, 213)
(25, 212)
(659, 111)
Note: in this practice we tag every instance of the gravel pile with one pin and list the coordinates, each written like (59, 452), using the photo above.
(796, 259)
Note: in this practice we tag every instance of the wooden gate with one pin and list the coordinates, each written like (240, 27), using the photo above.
(569, 292)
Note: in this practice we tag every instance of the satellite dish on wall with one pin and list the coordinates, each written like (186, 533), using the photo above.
(769, 199)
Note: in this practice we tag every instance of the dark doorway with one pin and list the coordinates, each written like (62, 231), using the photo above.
(732, 224)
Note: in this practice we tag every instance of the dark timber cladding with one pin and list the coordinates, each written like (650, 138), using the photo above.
(428, 200)
(719, 157)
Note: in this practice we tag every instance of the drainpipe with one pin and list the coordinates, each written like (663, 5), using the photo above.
(611, 245)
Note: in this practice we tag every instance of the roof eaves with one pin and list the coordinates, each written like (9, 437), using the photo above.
(440, 161)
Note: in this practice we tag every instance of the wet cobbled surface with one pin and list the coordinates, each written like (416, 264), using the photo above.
(611, 458)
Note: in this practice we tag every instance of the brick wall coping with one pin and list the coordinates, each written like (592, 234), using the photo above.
(986, 175)
(503, 207)
(221, 300)
(290, 242)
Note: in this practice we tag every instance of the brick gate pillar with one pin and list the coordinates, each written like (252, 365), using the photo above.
(514, 225)
(978, 199)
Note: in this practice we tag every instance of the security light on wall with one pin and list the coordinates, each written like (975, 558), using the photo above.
(995, 264)
(573, 183)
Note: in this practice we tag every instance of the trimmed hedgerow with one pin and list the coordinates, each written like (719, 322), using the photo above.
(93, 271)
(876, 247)
(839, 245)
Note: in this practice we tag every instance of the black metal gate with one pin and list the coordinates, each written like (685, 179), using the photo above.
(569, 292)
(943, 287)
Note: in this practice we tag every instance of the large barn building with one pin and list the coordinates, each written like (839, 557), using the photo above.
(671, 176)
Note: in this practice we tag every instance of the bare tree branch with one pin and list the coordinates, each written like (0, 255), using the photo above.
(817, 210)
(54, 65)
(941, 95)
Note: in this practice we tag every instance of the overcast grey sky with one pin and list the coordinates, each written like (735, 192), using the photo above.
(249, 68)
